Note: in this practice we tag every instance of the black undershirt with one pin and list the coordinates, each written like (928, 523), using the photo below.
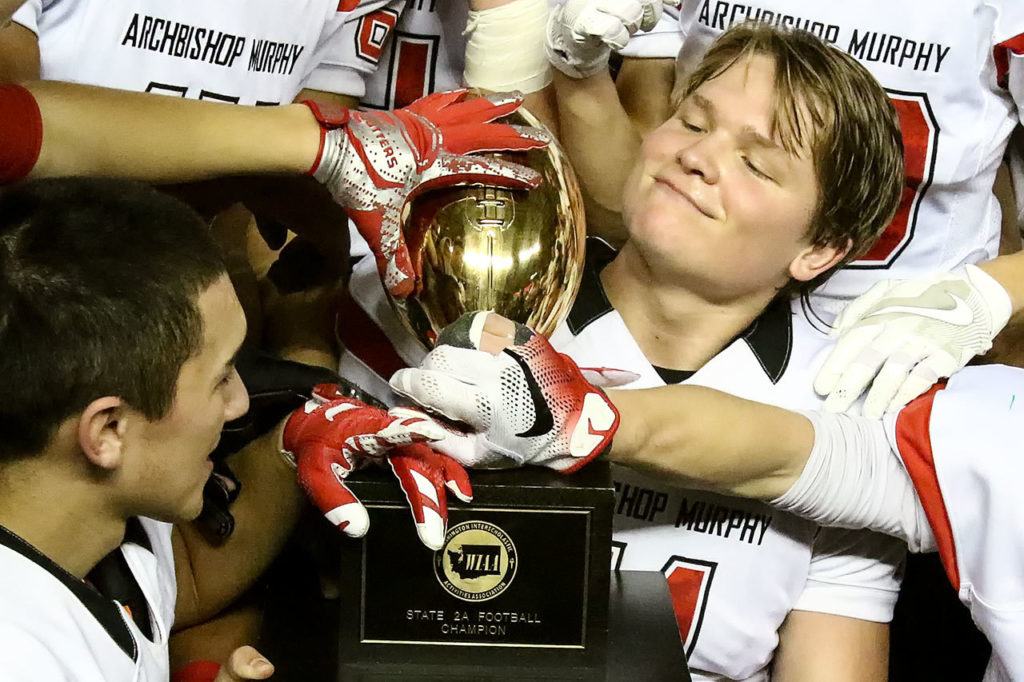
(673, 376)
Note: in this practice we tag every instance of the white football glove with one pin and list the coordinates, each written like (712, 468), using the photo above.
(582, 33)
(910, 333)
(527, 404)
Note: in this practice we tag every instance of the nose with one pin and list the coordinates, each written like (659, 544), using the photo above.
(237, 399)
(700, 157)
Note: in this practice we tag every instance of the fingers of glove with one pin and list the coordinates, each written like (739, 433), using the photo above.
(610, 24)
(432, 105)
(450, 171)
(842, 355)
(861, 368)
(608, 377)
(473, 367)
(323, 479)
(652, 14)
(389, 250)
(468, 138)
(443, 394)
(936, 366)
(890, 377)
(423, 483)
(478, 110)
(455, 478)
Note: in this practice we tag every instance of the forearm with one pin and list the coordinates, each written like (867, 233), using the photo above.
(99, 131)
(601, 143)
(268, 505)
(702, 438)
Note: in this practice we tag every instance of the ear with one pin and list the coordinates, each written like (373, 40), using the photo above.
(814, 260)
(101, 431)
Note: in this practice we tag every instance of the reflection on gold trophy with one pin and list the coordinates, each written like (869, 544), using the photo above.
(517, 253)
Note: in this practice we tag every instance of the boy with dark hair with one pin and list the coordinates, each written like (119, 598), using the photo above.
(119, 330)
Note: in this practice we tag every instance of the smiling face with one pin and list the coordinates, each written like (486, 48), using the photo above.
(715, 201)
(167, 463)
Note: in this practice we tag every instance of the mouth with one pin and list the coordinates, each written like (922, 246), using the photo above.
(686, 196)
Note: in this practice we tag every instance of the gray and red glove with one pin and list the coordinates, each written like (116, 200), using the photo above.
(332, 435)
(525, 403)
(373, 162)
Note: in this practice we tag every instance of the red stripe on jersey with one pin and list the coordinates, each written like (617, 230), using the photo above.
(1001, 54)
(364, 339)
(347, 5)
(411, 79)
(914, 443)
(21, 133)
(197, 671)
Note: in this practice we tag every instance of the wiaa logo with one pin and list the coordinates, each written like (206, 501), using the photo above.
(477, 561)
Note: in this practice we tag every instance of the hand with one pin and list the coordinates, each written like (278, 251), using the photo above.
(331, 436)
(906, 335)
(374, 162)
(526, 401)
(582, 33)
(424, 475)
(245, 663)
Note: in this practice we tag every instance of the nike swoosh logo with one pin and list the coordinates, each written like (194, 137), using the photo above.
(960, 314)
(543, 422)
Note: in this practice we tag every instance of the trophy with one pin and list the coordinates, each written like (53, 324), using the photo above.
(521, 585)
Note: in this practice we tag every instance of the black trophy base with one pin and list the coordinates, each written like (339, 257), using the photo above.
(300, 635)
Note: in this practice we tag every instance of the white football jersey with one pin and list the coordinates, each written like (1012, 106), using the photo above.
(735, 568)
(403, 51)
(955, 71)
(961, 445)
(240, 51)
(54, 626)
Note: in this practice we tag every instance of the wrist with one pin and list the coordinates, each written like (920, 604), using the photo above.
(1006, 272)
(996, 295)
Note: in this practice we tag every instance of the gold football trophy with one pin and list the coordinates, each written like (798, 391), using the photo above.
(518, 253)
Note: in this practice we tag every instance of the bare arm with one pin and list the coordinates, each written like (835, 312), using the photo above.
(8, 7)
(815, 646)
(98, 131)
(701, 438)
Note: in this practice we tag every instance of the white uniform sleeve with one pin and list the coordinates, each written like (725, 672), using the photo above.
(352, 45)
(854, 573)
(28, 15)
(663, 41)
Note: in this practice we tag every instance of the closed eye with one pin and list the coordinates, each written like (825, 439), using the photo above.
(755, 170)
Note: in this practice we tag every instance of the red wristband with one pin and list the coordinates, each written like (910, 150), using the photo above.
(21, 133)
(330, 115)
(196, 671)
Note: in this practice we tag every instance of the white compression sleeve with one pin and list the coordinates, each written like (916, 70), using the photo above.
(853, 479)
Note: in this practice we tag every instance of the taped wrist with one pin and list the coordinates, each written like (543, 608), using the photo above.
(332, 118)
(853, 479)
(505, 47)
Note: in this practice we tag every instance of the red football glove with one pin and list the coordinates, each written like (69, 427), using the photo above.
(331, 436)
(528, 404)
(424, 475)
(374, 161)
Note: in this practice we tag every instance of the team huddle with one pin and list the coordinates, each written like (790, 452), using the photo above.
(795, 215)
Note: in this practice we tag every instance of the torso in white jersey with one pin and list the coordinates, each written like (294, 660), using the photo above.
(54, 626)
(735, 568)
(240, 51)
(404, 50)
(954, 69)
(962, 447)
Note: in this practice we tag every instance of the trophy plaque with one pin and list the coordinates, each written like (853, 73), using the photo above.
(522, 579)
